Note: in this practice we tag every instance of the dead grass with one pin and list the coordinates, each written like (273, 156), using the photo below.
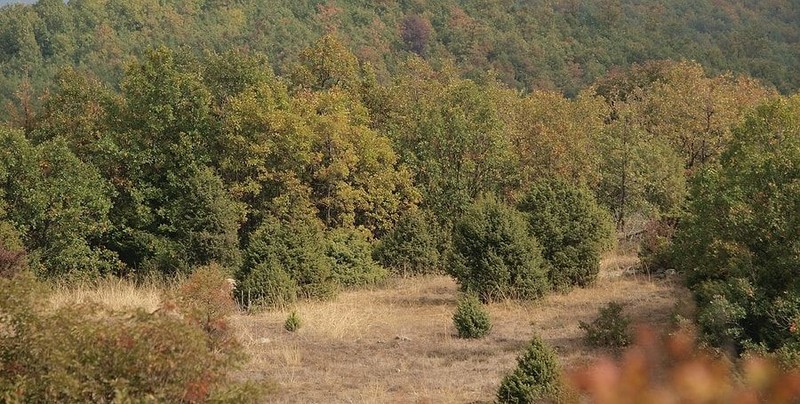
(398, 344)
(116, 294)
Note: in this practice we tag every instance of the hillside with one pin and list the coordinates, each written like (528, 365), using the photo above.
(376, 166)
(561, 45)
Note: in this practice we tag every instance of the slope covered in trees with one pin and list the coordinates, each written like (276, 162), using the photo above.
(561, 46)
(494, 142)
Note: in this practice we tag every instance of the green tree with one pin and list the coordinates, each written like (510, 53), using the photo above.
(739, 240)
(536, 378)
(639, 174)
(351, 253)
(574, 231)
(173, 211)
(494, 256)
(414, 245)
(449, 133)
(295, 248)
(59, 204)
(327, 64)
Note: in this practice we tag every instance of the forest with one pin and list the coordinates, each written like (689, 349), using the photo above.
(255, 157)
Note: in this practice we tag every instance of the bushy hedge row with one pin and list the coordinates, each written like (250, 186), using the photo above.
(554, 241)
(290, 259)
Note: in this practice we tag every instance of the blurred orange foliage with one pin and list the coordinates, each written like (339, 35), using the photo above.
(673, 370)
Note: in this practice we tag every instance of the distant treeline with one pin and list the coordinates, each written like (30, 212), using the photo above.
(211, 158)
(545, 45)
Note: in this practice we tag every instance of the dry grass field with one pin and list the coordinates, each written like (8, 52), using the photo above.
(397, 344)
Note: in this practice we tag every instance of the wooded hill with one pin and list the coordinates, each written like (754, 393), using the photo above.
(548, 45)
(306, 147)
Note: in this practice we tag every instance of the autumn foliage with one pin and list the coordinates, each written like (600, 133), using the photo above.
(88, 353)
(673, 370)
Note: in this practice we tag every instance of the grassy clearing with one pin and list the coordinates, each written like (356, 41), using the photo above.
(398, 344)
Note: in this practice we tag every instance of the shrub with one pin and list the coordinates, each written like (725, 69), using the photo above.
(572, 228)
(292, 323)
(351, 253)
(609, 329)
(654, 252)
(59, 204)
(107, 356)
(537, 376)
(471, 318)
(279, 249)
(493, 254)
(720, 321)
(412, 247)
(268, 285)
(206, 300)
(12, 252)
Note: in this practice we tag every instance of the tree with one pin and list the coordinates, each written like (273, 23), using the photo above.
(639, 174)
(554, 136)
(327, 64)
(81, 110)
(739, 240)
(574, 231)
(416, 32)
(536, 377)
(355, 178)
(173, 212)
(449, 134)
(695, 112)
(413, 246)
(59, 205)
(494, 256)
(287, 248)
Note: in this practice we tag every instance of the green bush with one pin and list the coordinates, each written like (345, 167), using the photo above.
(267, 285)
(471, 318)
(572, 228)
(86, 353)
(609, 329)
(12, 252)
(537, 377)
(494, 256)
(720, 321)
(292, 323)
(412, 247)
(280, 249)
(351, 253)
(59, 204)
